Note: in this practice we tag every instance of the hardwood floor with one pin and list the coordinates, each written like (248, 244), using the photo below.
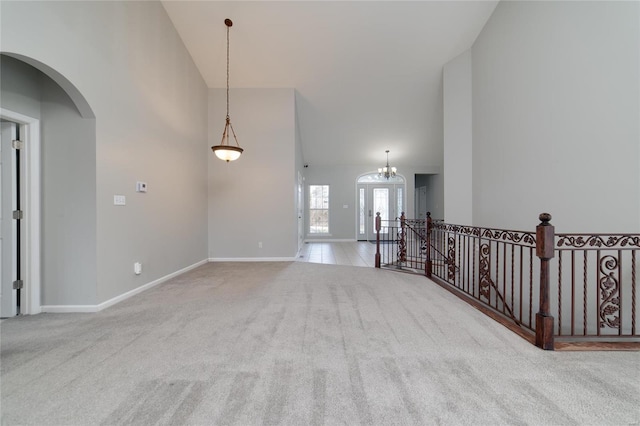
(352, 253)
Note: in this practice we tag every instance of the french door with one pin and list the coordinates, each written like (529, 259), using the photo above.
(386, 199)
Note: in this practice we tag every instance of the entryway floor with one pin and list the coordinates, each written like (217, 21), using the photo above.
(352, 253)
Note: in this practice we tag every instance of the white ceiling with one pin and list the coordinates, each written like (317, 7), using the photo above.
(367, 74)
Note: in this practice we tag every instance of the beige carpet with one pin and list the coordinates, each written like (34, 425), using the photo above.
(297, 344)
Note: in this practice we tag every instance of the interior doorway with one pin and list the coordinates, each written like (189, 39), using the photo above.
(64, 261)
(376, 194)
(428, 196)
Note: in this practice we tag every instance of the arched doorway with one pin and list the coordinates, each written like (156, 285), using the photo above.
(56, 130)
(375, 193)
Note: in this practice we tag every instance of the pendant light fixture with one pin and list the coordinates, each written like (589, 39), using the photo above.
(224, 151)
(387, 172)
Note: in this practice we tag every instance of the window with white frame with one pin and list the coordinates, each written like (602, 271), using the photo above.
(318, 209)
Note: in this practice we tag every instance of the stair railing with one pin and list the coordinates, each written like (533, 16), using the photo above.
(494, 269)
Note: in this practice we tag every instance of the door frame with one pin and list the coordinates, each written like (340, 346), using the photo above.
(30, 135)
(368, 185)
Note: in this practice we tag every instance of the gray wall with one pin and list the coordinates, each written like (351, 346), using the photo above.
(458, 147)
(556, 101)
(68, 202)
(342, 190)
(21, 87)
(251, 200)
(342, 181)
(150, 104)
(68, 188)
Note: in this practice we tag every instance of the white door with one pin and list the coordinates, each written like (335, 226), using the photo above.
(300, 211)
(386, 199)
(8, 226)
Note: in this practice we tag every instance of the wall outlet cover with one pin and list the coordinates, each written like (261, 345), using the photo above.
(119, 200)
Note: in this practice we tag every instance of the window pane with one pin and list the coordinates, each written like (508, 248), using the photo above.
(381, 204)
(362, 212)
(319, 221)
(318, 209)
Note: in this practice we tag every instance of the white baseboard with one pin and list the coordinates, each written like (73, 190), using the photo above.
(96, 308)
(252, 259)
(67, 309)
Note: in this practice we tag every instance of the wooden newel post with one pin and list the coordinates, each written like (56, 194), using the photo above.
(545, 245)
(378, 227)
(427, 263)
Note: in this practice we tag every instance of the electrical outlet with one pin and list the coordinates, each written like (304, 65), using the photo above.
(260, 244)
(119, 200)
(141, 186)
(137, 268)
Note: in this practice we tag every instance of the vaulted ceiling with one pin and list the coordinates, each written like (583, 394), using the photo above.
(367, 74)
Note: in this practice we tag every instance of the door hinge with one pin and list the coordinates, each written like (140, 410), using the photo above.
(17, 214)
(17, 144)
(18, 284)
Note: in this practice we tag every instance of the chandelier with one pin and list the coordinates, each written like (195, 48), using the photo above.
(224, 151)
(387, 172)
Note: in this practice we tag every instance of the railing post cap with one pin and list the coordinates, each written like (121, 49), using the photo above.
(377, 213)
(428, 214)
(545, 218)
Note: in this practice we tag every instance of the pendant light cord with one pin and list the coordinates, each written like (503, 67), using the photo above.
(227, 72)
(225, 151)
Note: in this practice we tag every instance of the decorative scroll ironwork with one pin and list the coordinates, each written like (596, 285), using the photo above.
(422, 233)
(518, 237)
(513, 236)
(485, 280)
(598, 241)
(402, 246)
(417, 226)
(416, 223)
(609, 294)
(451, 258)
(458, 229)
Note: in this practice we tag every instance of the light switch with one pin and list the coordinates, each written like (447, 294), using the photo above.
(119, 200)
